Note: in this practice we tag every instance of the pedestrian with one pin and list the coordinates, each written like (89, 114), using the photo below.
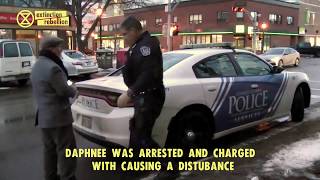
(51, 92)
(143, 75)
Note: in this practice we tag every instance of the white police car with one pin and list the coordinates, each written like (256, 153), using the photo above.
(209, 93)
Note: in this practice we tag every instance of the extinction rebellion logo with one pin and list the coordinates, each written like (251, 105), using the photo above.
(26, 18)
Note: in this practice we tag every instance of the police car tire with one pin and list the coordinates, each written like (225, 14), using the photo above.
(194, 123)
(297, 109)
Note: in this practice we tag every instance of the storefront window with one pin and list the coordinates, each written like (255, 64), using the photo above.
(48, 33)
(201, 39)
(5, 34)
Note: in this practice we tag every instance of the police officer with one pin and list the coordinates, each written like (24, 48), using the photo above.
(143, 75)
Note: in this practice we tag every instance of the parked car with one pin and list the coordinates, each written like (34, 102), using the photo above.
(282, 56)
(209, 93)
(77, 63)
(306, 48)
(16, 61)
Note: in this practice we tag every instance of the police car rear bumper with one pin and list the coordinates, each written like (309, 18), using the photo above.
(112, 127)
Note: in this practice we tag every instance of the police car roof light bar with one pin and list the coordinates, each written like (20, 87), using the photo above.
(225, 45)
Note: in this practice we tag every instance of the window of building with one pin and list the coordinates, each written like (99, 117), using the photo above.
(222, 16)
(110, 27)
(255, 15)
(290, 20)
(310, 17)
(105, 28)
(275, 19)
(143, 23)
(195, 19)
(158, 21)
(175, 19)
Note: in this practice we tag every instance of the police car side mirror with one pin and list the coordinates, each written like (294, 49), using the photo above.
(277, 69)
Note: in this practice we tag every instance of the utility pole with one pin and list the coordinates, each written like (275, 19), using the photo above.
(169, 26)
(170, 8)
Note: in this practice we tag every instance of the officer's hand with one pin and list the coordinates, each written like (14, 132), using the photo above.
(124, 100)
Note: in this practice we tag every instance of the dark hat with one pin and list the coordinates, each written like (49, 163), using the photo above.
(51, 42)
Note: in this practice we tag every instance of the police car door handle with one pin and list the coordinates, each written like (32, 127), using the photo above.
(211, 89)
(254, 86)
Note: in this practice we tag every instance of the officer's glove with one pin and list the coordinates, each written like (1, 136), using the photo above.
(124, 100)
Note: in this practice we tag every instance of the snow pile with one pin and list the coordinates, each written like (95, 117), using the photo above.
(299, 155)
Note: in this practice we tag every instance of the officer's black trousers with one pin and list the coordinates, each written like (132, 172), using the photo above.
(147, 109)
(56, 140)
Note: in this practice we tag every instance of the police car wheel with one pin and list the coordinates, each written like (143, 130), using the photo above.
(297, 109)
(192, 130)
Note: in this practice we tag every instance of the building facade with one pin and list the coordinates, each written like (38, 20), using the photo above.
(309, 21)
(10, 29)
(213, 21)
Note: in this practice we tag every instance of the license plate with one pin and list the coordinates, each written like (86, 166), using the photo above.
(86, 122)
(88, 102)
(26, 64)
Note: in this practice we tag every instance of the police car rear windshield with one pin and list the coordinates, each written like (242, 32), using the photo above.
(169, 60)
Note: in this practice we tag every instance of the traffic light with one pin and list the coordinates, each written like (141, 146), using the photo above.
(264, 26)
(174, 30)
(237, 9)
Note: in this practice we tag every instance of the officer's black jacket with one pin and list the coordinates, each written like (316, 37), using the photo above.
(143, 69)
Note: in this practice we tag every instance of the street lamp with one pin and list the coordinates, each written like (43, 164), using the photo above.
(99, 14)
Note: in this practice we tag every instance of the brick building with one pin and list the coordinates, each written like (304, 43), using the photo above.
(212, 21)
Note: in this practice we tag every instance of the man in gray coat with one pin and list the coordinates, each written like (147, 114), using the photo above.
(51, 91)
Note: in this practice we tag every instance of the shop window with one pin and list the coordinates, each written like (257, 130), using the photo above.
(216, 38)
(5, 34)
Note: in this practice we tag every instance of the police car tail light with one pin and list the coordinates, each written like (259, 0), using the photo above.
(110, 97)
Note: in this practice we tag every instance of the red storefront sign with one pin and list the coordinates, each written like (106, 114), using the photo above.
(8, 18)
(11, 18)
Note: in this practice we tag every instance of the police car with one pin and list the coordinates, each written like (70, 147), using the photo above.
(209, 93)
